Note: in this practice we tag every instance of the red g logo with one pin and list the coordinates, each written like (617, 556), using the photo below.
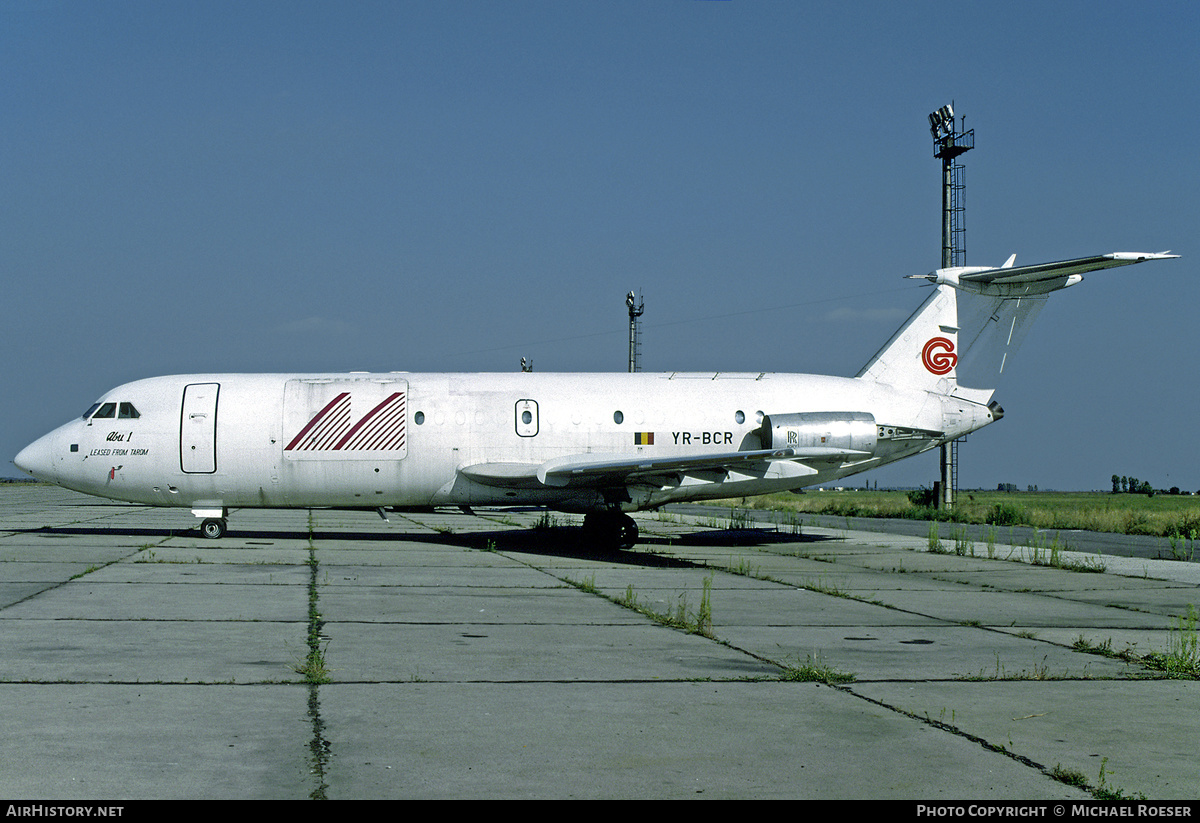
(938, 355)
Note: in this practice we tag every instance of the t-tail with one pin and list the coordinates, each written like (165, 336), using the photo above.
(966, 331)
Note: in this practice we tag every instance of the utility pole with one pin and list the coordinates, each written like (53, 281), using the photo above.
(948, 144)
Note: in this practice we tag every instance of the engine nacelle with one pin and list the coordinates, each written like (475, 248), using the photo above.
(835, 430)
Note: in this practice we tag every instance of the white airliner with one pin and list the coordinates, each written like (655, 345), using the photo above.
(600, 444)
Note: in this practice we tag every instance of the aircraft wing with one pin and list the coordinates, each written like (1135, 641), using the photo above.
(585, 470)
(1062, 268)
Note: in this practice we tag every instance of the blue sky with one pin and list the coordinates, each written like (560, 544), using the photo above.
(451, 186)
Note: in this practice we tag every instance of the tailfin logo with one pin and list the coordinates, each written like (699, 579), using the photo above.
(938, 355)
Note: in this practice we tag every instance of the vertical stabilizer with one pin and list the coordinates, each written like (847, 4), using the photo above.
(923, 354)
(992, 309)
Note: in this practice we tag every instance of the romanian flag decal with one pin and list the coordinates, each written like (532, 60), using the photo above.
(643, 438)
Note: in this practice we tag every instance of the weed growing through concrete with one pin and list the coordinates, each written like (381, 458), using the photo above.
(1182, 657)
(1183, 547)
(821, 587)
(964, 546)
(791, 522)
(313, 668)
(814, 670)
(743, 567)
(588, 584)
(546, 522)
(1037, 672)
(739, 519)
(682, 617)
(935, 543)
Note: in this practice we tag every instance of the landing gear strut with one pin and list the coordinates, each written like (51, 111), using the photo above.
(610, 530)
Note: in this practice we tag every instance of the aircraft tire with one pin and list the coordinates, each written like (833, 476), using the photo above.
(213, 528)
(610, 530)
(627, 531)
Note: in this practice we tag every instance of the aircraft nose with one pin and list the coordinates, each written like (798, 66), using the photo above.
(37, 459)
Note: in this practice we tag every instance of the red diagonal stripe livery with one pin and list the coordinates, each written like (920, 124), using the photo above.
(381, 430)
(321, 430)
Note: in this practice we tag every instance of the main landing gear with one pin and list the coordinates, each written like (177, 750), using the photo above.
(610, 530)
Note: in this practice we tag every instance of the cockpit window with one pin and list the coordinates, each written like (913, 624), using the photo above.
(107, 411)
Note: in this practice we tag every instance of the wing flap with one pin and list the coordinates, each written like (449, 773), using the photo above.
(591, 469)
(601, 470)
(504, 475)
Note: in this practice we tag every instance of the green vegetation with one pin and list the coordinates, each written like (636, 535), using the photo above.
(681, 617)
(547, 522)
(1164, 515)
(696, 622)
(1183, 546)
(812, 670)
(313, 668)
(1179, 661)
(1072, 777)
(1182, 657)
(1103, 790)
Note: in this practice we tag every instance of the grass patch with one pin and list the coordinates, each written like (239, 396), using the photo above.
(1049, 552)
(313, 669)
(1180, 660)
(1039, 671)
(813, 670)
(1071, 777)
(1163, 515)
(682, 616)
(1182, 656)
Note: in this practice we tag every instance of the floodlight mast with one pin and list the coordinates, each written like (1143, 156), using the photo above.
(949, 143)
(636, 306)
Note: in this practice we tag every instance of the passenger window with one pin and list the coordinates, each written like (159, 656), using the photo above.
(106, 411)
(127, 412)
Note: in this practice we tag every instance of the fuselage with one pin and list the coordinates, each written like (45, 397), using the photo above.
(385, 440)
(601, 444)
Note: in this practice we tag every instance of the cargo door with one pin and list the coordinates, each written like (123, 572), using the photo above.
(198, 428)
(363, 420)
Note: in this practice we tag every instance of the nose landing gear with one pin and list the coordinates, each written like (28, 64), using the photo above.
(213, 525)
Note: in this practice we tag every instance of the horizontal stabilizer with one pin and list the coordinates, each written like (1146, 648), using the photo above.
(1062, 268)
(1050, 275)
